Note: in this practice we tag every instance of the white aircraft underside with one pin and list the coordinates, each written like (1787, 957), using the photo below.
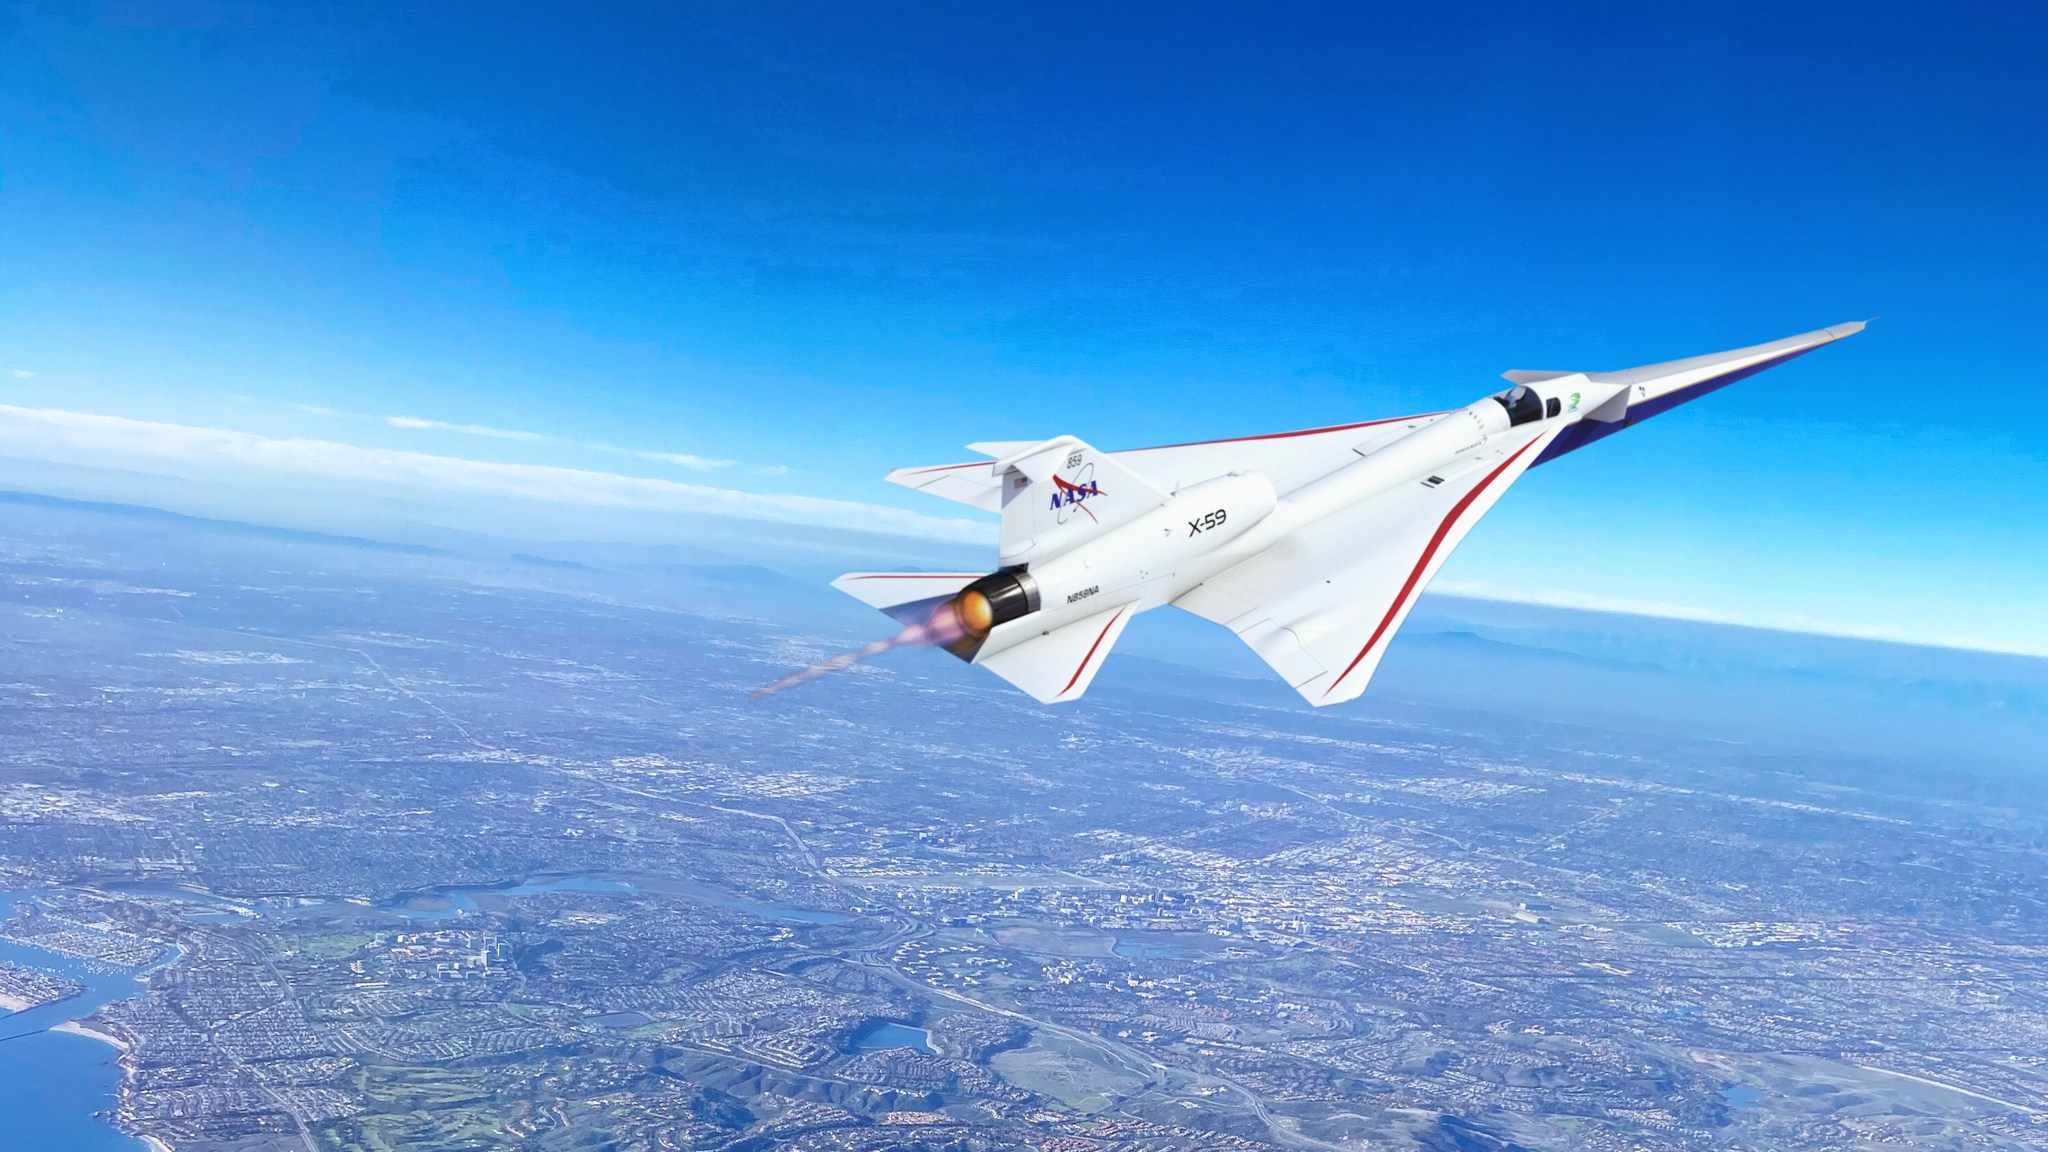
(1312, 546)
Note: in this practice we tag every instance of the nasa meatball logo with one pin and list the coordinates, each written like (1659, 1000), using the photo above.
(1069, 496)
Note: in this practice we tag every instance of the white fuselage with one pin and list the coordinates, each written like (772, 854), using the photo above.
(1208, 528)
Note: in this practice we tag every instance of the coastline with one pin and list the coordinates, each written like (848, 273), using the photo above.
(121, 1047)
(77, 1029)
(14, 1003)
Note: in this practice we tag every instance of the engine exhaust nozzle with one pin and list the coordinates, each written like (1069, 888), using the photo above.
(997, 598)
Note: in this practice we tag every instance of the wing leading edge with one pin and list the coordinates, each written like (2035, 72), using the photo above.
(1322, 606)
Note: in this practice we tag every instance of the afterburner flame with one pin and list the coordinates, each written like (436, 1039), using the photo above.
(942, 628)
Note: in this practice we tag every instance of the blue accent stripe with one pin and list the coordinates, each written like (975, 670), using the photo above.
(1587, 431)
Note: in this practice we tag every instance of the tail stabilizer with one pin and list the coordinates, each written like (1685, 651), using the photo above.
(905, 597)
(976, 483)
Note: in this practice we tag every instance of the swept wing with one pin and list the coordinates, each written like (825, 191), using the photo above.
(1321, 605)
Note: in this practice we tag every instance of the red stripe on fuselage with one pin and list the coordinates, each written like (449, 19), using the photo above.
(1415, 576)
(1076, 678)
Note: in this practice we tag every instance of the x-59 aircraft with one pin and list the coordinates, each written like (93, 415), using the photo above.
(1312, 546)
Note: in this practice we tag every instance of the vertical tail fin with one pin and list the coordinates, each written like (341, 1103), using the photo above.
(1061, 492)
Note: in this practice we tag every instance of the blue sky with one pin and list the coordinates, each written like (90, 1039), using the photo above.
(745, 258)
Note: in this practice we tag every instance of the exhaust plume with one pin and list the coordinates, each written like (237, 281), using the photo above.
(942, 628)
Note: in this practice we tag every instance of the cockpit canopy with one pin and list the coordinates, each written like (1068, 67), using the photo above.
(1523, 404)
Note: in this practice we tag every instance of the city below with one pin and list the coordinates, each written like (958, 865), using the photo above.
(331, 846)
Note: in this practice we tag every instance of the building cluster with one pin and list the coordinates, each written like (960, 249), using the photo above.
(435, 860)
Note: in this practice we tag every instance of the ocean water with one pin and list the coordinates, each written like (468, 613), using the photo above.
(57, 1089)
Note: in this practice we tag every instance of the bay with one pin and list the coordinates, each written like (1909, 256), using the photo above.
(57, 1090)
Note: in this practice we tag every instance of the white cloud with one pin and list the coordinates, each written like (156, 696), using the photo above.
(20, 373)
(177, 450)
(687, 460)
(1775, 621)
(465, 429)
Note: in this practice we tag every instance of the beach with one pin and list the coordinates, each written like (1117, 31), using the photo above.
(77, 1029)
